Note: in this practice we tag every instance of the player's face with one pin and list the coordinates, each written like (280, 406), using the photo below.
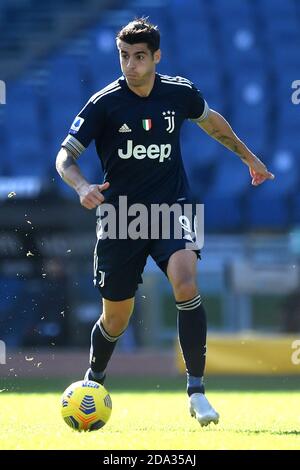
(137, 62)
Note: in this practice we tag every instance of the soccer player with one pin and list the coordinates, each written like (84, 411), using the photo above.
(135, 123)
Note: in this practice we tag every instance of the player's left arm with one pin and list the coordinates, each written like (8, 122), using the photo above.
(215, 125)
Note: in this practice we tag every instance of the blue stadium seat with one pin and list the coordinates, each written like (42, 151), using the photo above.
(233, 8)
(60, 120)
(250, 103)
(283, 162)
(228, 30)
(199, 150)
(231, 175)
(250, 115)
(208, 80)
(223, 214)
(239, 42)
(199, 58)
(285, 165)
(288, 117)
(188, 9)
(252, 132)
(256, 139)
(3, 143)
(285, 56)
(255, 79)
(64, 76)
(269, 204)
(266, 213)
(23, 128)
(64, 96)
(102, 57)
(295, 216)
(287, 142)
(276, 8)
(278, 28)
(237, 59)
(11, 310)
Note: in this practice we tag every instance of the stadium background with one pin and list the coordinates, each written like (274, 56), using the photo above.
(244, 56)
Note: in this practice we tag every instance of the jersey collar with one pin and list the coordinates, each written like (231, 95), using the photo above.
(153, 92)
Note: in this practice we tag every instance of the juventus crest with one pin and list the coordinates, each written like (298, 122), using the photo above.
(170, 118)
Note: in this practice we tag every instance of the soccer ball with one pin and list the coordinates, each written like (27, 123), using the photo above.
(86, 406)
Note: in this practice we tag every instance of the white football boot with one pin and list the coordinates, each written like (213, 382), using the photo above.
(201, 409)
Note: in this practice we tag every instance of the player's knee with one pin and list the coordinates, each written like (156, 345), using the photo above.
(115, 324)
(185, 289)
(115, 316)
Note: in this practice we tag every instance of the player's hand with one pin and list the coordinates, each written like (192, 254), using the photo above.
(91, 195)
(259, 172)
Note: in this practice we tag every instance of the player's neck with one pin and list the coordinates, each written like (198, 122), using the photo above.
(144, 89)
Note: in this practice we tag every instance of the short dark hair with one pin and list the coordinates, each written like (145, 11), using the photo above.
(141, 30)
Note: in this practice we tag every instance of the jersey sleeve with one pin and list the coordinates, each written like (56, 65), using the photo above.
(198, 107)
(85, 127)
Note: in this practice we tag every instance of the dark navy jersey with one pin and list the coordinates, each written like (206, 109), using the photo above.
(138, 138)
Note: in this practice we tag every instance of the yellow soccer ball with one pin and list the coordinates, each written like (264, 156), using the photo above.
(86, 406)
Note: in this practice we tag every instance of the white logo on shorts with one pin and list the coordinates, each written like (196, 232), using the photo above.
(102, 277)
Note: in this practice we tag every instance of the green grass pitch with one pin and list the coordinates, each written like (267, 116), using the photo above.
(152, 413)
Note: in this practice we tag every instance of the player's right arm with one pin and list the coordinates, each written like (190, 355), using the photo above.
(83, 130)
(90, 195)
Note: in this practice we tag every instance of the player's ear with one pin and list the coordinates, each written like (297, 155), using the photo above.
(157, 56)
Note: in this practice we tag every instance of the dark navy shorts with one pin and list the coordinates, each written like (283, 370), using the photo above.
(119, 263)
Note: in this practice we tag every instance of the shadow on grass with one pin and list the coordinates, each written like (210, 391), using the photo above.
(155, 384)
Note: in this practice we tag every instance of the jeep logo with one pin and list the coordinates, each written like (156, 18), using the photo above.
(140, 151)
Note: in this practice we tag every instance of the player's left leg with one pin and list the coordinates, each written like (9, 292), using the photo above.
(192, 329)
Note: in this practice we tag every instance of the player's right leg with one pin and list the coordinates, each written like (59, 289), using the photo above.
(118, 266)
(105, 334)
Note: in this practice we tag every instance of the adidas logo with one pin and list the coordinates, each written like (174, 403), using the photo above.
(124, 128)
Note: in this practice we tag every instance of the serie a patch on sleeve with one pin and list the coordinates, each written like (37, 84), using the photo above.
(76, 125)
